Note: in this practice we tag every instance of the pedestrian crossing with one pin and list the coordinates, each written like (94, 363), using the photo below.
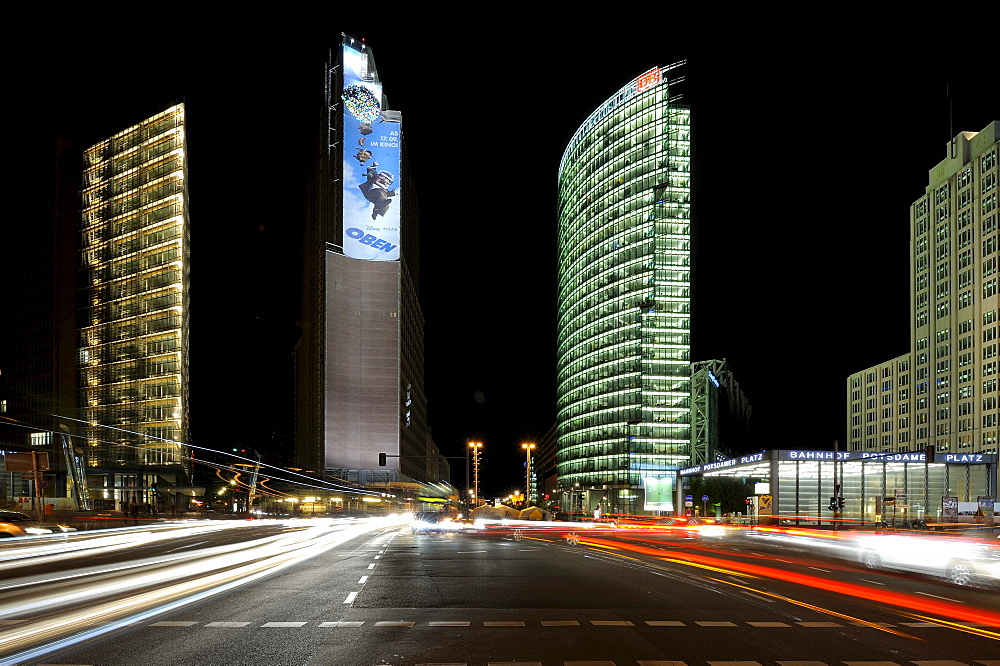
(713, 624)
(662, 662)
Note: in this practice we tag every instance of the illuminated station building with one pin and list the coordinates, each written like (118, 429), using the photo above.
(624, 375)
(134, 317)
(360, 360)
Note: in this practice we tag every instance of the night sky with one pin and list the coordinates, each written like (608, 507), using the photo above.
(807, 152)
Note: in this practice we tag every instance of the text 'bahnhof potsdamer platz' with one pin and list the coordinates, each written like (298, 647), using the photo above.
(624, 388)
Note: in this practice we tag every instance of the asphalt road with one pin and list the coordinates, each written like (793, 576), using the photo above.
(499, 597)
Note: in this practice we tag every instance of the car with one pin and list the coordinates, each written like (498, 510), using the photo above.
(17, 524)
(972, 558)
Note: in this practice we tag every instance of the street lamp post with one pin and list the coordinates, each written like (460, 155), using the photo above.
(476, 447)
(527, 473)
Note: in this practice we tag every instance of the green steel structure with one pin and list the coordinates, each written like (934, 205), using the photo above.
(624, 377)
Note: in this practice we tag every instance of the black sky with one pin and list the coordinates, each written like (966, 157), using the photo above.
(807, 149)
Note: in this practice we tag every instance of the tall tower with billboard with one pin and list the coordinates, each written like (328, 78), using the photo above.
(359, 363)
(624, 377)
(134, 317)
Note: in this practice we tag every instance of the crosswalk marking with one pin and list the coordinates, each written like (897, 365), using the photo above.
(395, 623)
(506, 623)
(173, 624)
(449, 624)
(611, 623)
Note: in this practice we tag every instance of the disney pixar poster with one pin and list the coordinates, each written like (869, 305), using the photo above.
(372, 194)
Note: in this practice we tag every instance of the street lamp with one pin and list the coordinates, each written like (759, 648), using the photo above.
(475, 447)
(527, 473)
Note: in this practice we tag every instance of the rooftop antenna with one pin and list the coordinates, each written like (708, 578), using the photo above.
(951, 120)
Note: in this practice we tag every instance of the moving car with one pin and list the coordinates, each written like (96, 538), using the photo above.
(16, 524)
(969, 559)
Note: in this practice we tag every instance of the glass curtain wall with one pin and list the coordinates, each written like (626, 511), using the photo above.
(133, 340)
(624, 396)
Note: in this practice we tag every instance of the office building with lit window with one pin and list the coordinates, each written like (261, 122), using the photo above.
(134, 311)
(359, 363)
(943, 394)
(624, 374)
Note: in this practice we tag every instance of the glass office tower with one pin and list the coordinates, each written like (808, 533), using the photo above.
(134, 327)
(624, 378)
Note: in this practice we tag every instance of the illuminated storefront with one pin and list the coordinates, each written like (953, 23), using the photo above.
(624, 388)
(897, 488)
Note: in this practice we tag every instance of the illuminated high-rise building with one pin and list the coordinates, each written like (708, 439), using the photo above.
(360, 360)
(624, 376)
(134, 309)
(944, 393)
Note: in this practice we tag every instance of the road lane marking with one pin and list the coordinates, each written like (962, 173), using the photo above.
(665, 623)
(560, 623)
(757, 596)
(232, 625)
(361, 581)
(377, 556)
(818, 569)
(927, 594)
(461, 552)
(371, 566)
(819, 624)
(394, 623)
(921, 624)
(284, 625)
(768, 624)
(710, 623)
(873, 582)
(342, 623)
(734, 663)
(350, 598)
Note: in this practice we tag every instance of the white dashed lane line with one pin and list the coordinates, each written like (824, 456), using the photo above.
(350, 598)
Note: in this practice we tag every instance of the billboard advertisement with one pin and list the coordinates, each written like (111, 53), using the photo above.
(371, 183)
(659, 493)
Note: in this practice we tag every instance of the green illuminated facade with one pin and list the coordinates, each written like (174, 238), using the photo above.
(624, 377)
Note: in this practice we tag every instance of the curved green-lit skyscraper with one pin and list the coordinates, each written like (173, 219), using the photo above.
(624, 391)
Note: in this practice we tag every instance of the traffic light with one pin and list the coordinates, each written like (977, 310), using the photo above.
(840, 503)
(381, 460)
(834, 504)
